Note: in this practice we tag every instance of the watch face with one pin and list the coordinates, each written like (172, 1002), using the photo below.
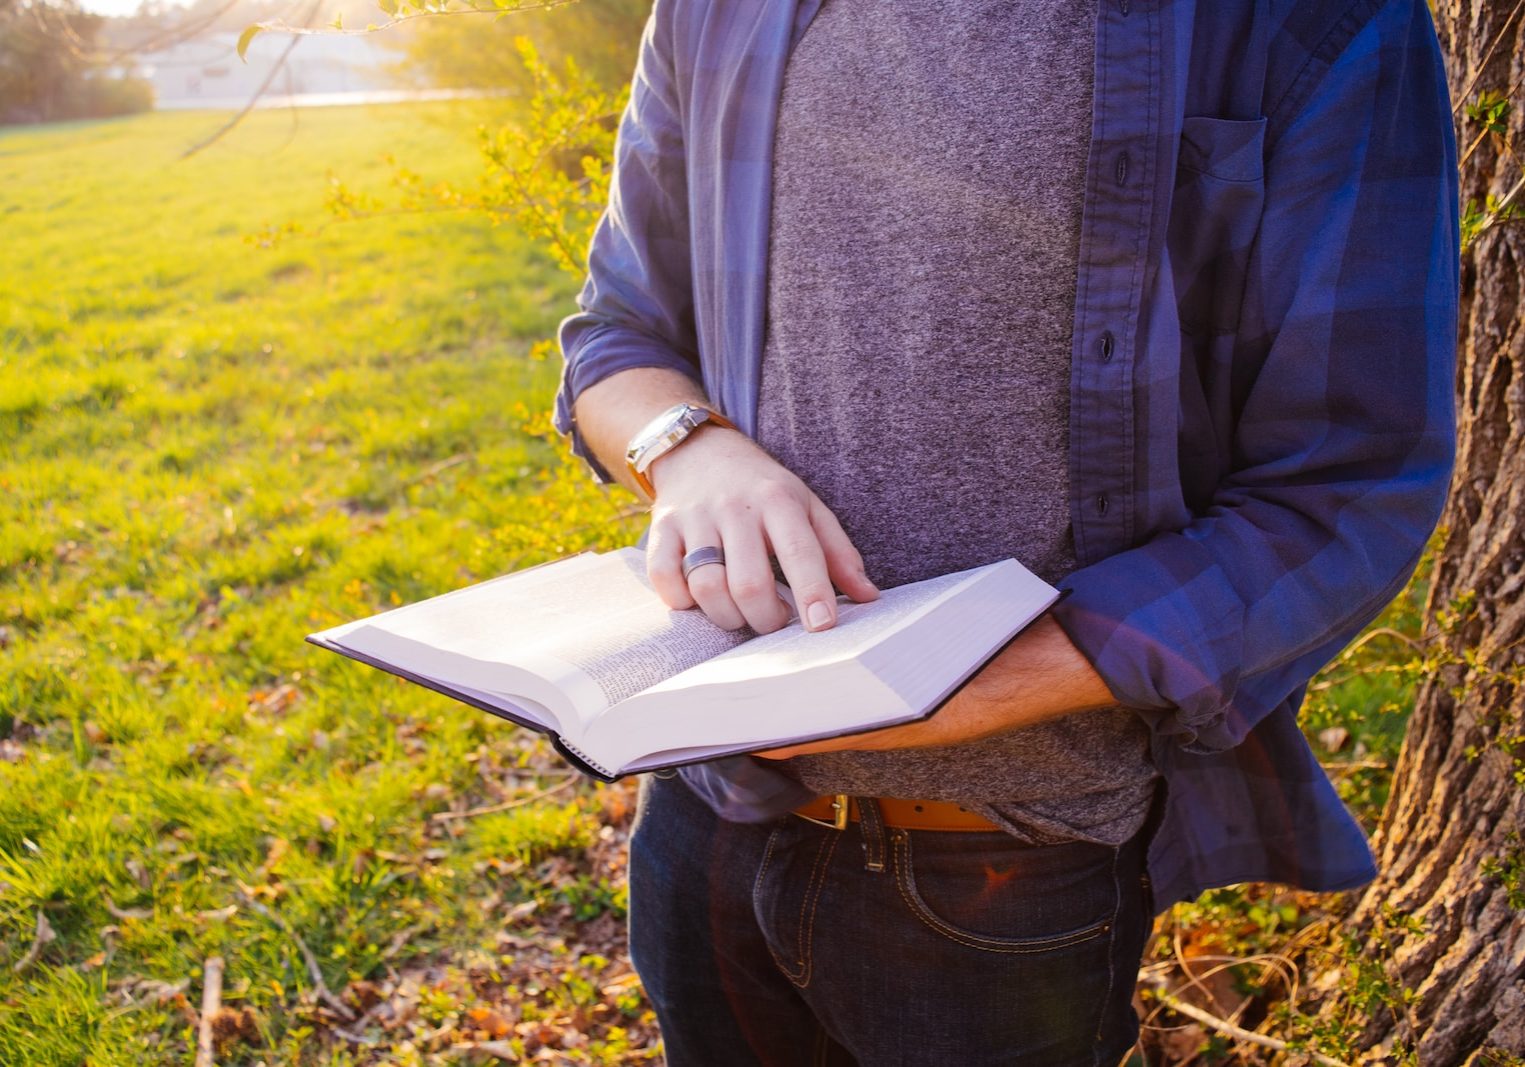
(662, 433)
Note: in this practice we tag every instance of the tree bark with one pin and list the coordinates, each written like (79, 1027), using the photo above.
(1455, 818)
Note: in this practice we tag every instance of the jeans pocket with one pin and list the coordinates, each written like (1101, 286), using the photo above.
(786, 894)
(1007, 897)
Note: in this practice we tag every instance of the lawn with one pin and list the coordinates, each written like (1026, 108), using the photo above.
(208, 449)
(213, 443)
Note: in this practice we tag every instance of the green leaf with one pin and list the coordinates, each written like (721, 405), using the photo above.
(245, 37)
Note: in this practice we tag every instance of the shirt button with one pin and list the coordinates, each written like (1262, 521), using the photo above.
(1101, 504)
(1106, 346)
(1124, 6)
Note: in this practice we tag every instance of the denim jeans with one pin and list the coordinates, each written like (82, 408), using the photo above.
(789, 944)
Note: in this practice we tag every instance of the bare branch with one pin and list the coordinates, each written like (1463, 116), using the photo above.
(280, 63)
(1461, 98)
(1223, 1026)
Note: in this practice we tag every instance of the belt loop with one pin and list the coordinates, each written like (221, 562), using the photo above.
(871, 822)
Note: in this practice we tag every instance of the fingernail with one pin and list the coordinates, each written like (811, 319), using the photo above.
(818, 615)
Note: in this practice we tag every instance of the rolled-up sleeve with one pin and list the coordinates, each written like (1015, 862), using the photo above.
(1345, 436)
(637, 300)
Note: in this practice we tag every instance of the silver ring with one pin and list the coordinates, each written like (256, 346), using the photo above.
(700, 556)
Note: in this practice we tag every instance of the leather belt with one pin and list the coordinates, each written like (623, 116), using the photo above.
(837, 811)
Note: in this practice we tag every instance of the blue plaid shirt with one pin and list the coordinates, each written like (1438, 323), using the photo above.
(1262, 423)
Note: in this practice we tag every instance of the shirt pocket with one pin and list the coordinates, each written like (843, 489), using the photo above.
(1214, 218)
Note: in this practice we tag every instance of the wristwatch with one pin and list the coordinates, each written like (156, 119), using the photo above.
(663, 434)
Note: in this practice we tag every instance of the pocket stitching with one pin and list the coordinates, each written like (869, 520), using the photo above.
(817, 885)
(799, 972)
(905, 881)
(757, 889)
(1219, 177)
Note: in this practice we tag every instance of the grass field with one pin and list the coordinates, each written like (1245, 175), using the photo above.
(207, 450)
(210, 448)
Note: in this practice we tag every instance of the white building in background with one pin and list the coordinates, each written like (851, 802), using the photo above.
(322, 68)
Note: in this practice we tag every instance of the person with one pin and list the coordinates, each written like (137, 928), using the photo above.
(1158, 297)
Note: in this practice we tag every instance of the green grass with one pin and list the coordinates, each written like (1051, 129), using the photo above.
(208, 449)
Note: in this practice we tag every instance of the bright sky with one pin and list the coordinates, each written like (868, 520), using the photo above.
(113, 7)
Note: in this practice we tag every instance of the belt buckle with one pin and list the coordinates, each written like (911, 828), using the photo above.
(839, 813)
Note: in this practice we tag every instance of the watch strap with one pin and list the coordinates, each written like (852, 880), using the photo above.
(684, 414)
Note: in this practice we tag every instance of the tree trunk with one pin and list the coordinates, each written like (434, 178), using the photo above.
(1450, 848)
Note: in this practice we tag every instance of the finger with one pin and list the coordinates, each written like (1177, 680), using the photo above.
(664, 564)
(750, 575)
(843, 561)
(800, 556)
(707, 584)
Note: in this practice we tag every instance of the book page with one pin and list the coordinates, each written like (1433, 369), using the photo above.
(592, 626)
(793, 648)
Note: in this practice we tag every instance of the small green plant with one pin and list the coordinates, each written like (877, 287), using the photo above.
(1509, 870)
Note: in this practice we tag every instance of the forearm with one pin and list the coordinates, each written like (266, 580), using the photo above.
(1040, 675)
(610, 411)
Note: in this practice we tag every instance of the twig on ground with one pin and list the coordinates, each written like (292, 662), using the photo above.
(437, 468)
(44, 935)
(124, 914)
(1223, 1026)
(1191, 976)
(1352, 766)
(314, 972)
(211, 1004)
(1382, 631)
(354, 1034)
(471, 813)
(401, 938)
(149, 991)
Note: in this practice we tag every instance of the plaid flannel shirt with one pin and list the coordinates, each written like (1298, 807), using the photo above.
(1262, 417)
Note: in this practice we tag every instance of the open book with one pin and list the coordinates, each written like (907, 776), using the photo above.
(584, 650)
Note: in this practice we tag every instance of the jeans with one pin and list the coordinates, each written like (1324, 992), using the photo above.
(788, 944)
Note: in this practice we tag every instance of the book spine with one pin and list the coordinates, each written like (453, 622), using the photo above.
(581, 760)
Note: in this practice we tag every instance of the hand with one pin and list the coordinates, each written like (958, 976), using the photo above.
(721, 489)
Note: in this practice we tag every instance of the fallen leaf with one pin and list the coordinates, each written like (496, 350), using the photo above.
(230, 1025)
(489, 1021)
(1334, 738)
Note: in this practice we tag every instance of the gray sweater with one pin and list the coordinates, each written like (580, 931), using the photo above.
(928, 171)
